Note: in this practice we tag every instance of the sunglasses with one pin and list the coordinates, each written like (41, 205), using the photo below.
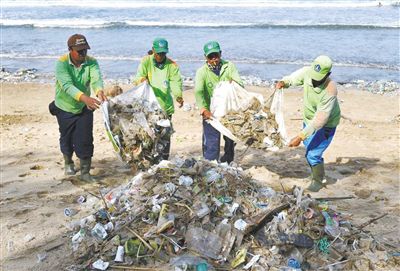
(213, 55)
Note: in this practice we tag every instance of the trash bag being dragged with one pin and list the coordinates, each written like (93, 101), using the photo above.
(251, 120)
(137, 126)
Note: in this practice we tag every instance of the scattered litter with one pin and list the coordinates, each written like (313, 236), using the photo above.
(41, 257)
(158, 221)
(100, 265)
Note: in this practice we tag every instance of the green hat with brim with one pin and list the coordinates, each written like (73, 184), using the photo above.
(211, 47)
(160, 45)
(320, 67)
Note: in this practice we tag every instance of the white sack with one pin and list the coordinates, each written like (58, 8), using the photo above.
(142, 92)
(277, 109)
(231, 97)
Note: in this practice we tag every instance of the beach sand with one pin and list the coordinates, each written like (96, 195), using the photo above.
(364, 156)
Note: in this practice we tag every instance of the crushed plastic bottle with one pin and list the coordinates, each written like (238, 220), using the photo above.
(204, 242)
(267, 192)
(185, 180)
(99, 231)
(331, 225)
(202, 210)
(212, 176)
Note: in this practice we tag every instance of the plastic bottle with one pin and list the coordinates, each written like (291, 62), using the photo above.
(99, 231)
(331, 225)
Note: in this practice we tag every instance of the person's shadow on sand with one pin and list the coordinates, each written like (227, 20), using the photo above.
(291, 163)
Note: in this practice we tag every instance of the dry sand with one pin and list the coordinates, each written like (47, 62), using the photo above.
(364, 156)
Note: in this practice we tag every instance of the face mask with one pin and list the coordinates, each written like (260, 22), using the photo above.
(316, 83)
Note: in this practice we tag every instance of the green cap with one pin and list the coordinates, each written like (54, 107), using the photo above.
(160, 45)
(320, 67)
(211, 47)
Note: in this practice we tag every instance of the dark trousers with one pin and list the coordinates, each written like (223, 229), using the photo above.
(166, 140)
(211, 143)
(76, 133)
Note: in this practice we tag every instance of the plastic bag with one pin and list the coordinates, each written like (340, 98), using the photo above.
(142, 92)
(277, 109)
(137, 126)
(204, 242)
(230, 97)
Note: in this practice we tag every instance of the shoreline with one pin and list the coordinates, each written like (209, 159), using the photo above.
(388, 87)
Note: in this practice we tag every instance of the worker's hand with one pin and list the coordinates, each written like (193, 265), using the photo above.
(90, 102)
(143, 79)
(295, 141)
(102, 96)
(280, 85)
(179, 100)
(206, 114)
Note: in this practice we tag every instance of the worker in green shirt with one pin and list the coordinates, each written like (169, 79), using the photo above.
(164, 76)
(207, 77)
(76, 75)
(321, 114)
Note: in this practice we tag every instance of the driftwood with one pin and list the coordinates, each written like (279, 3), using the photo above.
(260, 220)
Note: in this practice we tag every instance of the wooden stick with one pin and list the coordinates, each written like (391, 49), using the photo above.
(261, 219)
(105, 206)
(94, 195)
(133, 267)
(371, 220)
(335, 198)
(283, 188)
(332, 264)
(141, 239)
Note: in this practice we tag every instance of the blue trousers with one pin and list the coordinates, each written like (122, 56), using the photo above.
(76, 133)
(317, 143)
(211, 143)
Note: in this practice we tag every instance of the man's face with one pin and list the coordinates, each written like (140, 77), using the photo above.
(78, 56)
(159, 57)
(214, 58)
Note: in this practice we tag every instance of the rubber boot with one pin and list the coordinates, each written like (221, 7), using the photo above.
(69, 167)
(308, 178)
(85, 170)
(318, 173)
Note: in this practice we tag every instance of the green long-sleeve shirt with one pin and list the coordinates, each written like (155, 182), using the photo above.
(72, 82)
(321, 107)
(206, 80)
(166, 82)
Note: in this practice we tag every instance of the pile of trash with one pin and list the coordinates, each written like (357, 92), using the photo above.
(255, 125)
(138, 128)
(199, 215)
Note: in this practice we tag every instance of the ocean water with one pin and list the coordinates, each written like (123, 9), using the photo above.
(265, 39)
